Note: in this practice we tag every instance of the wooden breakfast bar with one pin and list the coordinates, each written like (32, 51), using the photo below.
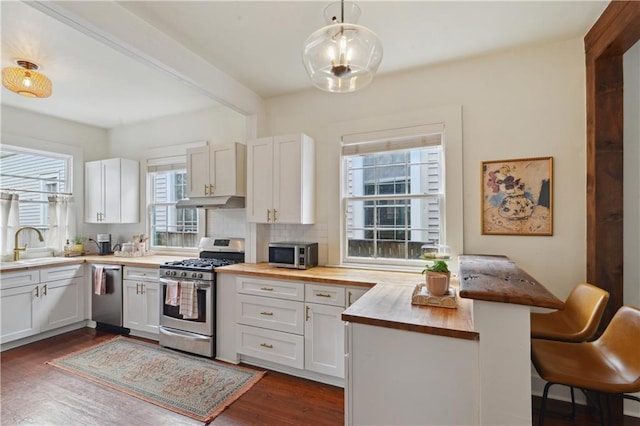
(401, 374)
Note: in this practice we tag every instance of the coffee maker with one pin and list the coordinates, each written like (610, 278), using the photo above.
(104, 244)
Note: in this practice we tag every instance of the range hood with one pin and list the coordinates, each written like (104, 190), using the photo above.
(230, 202)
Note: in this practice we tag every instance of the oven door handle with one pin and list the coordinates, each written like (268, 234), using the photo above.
(199, 284)
(188, 336)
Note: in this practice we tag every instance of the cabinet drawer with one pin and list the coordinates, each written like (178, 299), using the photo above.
(144, 274)
(289, 290)
(324, 294)
(274, 346)
(20, 278)
(266, 312)
(61, 273)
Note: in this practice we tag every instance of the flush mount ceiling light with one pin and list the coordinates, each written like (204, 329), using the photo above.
(342, 57)
(26, 81)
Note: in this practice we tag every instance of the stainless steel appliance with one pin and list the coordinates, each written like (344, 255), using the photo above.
(196, 334)
(295, 255)
(104, 244)
(106, 308)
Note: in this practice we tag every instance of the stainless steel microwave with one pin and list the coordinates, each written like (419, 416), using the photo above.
(293, 255)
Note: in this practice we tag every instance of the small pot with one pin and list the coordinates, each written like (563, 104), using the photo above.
(437, 283)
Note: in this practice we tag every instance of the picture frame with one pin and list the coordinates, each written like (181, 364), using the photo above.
(517, 196)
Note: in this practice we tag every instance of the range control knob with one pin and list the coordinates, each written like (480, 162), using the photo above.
(194, 275)
(173, 273)
(200, 275)
(183, 274)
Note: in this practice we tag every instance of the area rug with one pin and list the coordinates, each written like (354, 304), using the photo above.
(195, 387)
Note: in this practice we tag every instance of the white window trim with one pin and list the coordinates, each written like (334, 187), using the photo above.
(449, 117)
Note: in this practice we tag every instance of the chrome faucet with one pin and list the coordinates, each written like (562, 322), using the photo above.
(16, 249)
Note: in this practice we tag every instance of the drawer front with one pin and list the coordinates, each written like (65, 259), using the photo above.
(61, 273)
(18, 279)
(275, 346)
(290, 290)
(325, 294)
(141, 274)
(274, 314)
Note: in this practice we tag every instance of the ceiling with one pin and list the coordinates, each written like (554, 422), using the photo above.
(259, 44)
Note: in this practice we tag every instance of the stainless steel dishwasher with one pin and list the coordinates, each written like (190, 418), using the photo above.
(106, 308)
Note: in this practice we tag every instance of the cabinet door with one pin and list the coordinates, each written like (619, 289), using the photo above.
(324, 339)
(259, 203)
(151, 309)
(61, 303)
(18, 312)
(286, 179)
(111, 190)
(92, 191)
(227, 169)
(198, 171)
(132, 301)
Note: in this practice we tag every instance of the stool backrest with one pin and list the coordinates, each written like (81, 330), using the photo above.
(585, 305)
(620, 341)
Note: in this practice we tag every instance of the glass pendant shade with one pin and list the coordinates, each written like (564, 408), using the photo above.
(26, 81)
(342, 57)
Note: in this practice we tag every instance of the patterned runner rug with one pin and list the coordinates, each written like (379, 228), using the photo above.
(196, 387)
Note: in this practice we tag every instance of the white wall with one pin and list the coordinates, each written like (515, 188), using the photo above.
(631, 72)
(36, 131)
(525, 102)
(138, 142)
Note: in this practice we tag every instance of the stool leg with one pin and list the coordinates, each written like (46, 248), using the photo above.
(573, 404)
(609, 409)
(543, 405)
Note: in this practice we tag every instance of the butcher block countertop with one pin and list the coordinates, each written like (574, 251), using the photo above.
(387, 304)
(497, 279)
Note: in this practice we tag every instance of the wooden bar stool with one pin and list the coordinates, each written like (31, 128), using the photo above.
(608, 365)
(578, 321)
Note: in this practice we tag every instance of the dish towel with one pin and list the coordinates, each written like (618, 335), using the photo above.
(188, 301)
(99, 280)
(173, 293)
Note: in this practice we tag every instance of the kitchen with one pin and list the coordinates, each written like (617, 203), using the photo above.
(512, 85)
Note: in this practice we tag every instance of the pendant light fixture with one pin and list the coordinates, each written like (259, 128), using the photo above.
(26, 81)
(342, 57)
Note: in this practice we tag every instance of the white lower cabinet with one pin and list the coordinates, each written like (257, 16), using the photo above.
(292, 323)
(36, 301)
(141, 300)
(324, 339)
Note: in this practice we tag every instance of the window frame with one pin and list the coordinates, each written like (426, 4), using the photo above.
(450, 118)
(165, 164)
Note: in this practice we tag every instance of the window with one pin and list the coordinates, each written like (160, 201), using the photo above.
(393, 193)
(170, 227)
(34, 175)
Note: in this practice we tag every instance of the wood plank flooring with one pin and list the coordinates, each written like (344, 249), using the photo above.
(33, 393)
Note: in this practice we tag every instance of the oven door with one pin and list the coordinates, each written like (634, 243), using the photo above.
(170, 315)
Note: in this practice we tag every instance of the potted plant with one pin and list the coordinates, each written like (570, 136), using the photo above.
(437, 277)
(79, 241)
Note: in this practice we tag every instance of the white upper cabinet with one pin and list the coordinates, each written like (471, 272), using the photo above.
(216, 170)
(281, 180)
(111, 191)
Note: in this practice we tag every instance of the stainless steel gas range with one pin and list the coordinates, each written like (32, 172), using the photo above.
(188, 296)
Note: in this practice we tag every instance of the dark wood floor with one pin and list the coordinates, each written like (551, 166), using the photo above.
(33, 393)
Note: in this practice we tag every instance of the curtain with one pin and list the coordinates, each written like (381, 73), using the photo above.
(9, 223)
(62, 222)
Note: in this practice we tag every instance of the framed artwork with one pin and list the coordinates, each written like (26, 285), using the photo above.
(517, 196)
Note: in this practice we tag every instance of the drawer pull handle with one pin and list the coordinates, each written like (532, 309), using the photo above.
(44, 290)
(349, 298)
(266, 313)
(266, 288)
(266, 345)
(323, 295)
(307, 313)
